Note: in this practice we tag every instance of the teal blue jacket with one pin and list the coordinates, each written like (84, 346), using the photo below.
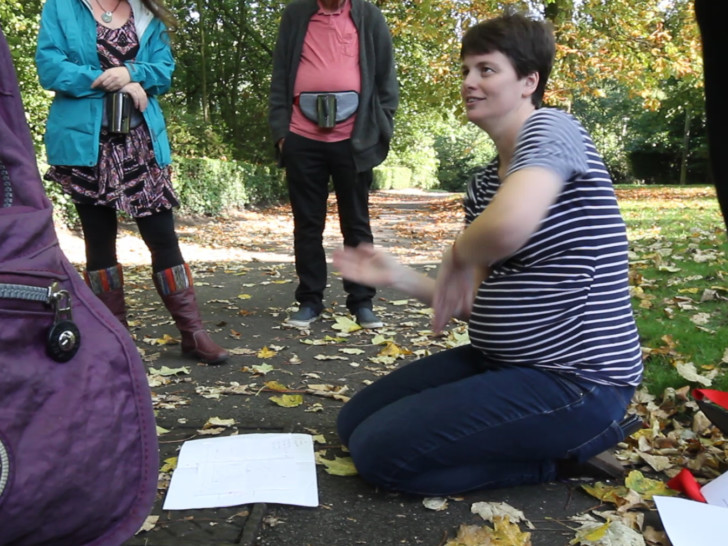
(67, 64)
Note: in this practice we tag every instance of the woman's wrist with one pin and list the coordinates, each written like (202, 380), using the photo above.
(456, 261)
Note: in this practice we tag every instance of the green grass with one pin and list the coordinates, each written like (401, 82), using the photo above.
(679, 274)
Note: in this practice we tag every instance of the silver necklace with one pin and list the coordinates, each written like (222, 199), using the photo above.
(108, 15)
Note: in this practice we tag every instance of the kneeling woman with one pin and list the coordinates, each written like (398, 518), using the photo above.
(540, 271)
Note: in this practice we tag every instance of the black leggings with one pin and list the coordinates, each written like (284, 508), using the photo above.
(99, 226)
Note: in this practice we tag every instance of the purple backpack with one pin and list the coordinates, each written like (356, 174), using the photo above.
(78, 444)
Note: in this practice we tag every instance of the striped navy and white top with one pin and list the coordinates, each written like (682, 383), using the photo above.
(562, 301)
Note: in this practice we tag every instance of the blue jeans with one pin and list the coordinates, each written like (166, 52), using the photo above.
(453, 422)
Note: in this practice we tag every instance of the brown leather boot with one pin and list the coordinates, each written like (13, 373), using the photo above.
(174, 286)
(108, 285)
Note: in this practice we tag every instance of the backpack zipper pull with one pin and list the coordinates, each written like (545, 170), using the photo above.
(64, 337)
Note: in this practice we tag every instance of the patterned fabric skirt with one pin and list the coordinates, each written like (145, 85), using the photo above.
(127, 176)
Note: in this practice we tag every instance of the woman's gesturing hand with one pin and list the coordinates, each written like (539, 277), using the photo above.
(367, 265)
(112, 79)
(453, 295)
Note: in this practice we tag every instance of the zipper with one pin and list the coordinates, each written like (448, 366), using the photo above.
(63, 338)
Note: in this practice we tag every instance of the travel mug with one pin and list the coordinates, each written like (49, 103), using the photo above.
(119, 110)
(326, 110)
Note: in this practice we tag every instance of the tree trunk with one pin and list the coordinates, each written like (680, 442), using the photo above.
(685, 148)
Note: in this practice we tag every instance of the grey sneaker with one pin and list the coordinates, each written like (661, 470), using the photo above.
(367, 319)
(302, 318)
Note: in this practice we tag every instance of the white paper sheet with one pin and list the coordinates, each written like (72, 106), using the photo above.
(244, 469)
(692, 523)
(716, 491)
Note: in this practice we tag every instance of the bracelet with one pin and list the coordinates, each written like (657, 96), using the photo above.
(453, 252)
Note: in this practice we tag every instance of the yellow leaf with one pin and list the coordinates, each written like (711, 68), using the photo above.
(391, 349)
(346, 325)
(244, 296)
(472, 535)
(275, 386)
(605, 492)
(161, 430)
(169, 464)
(647, 487)
(217, 422)
(166, 339)
(591, 533)
(380, 339)
(504, 533)
(339, 466)
(509, 533)
(287, 400)
(265, 352)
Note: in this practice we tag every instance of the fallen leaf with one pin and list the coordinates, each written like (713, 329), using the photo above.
(435, 503)
(217, 422)
(352, 351)
(491, 510)
(166, 371)
(345, 324)
(647, 487)
(287, 400)
(610, 533)
(275, 386)
(262, 368)
(148, 524)
(504, 533)
(339, 466)
(169, 465)
(265, 352)
(687, 371)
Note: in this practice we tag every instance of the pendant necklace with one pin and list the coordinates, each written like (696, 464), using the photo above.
(108, 14)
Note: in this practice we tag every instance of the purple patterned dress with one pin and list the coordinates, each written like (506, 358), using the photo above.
(127, 176)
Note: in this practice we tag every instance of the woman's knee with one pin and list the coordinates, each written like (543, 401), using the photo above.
(374, 463)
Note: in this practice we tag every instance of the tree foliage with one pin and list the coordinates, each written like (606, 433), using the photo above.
(631, 68)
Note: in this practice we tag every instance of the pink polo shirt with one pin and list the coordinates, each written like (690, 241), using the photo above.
(329, 63)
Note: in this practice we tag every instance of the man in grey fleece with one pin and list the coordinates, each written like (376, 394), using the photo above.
(333, 96)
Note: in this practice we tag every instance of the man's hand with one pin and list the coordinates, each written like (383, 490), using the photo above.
(112, 79)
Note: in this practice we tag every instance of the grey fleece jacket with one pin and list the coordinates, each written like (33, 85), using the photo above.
(379, 96)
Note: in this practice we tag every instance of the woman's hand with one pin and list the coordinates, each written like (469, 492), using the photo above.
(453, 295)
(137, 94)
(112, 79)
(367, 265)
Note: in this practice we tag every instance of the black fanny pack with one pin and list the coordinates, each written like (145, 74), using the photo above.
(328, 109)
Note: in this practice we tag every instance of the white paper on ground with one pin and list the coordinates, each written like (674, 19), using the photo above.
(716, 491)
(692, 523)
(244, 469)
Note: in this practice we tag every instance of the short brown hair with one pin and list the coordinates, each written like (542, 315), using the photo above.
(529, 45)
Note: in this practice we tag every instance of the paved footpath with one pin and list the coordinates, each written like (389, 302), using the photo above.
(244, 303)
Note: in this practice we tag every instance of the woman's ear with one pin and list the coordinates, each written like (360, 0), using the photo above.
(530, 84)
